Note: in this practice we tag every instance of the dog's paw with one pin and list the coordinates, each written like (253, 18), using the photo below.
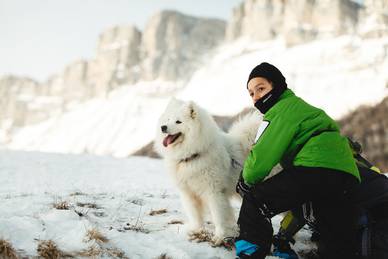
(217, 241)
(225, 234)
(233, 231)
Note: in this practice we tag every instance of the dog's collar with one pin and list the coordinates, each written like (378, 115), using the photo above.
(188, 159)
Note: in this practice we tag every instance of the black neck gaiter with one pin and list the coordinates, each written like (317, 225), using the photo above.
(269, 100)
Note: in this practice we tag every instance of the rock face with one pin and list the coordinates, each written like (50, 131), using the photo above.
(169, 49)
(172, 41)
(118, 52)
(296, 20)
(368, 125)
(374, 19)
(173, 45)
(24, 101)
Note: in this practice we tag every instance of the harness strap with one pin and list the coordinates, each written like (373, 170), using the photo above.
(187, 159)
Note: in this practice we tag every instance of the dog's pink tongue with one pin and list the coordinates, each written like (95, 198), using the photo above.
(168, 140)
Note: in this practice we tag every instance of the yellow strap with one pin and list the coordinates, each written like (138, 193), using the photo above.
(376, 169)
(286, 220)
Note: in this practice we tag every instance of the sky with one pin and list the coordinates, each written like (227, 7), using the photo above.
(39, 37)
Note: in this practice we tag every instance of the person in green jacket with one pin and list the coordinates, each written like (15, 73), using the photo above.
(318, 167)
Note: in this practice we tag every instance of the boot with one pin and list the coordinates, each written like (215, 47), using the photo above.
(282, 247)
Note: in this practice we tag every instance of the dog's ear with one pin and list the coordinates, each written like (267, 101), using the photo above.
(192, 110)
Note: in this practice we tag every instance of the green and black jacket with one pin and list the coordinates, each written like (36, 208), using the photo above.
(298, 134)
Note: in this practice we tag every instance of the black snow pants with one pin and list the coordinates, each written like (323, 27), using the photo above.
(372, 198)
(325, 188)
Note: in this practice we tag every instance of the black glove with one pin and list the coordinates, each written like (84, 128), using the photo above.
(242, 188)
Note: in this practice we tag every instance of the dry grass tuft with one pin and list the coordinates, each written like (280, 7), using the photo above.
(93, 251)
(203, 236)
(116, 253)
(61, 205)
(157, 212)
(6, 250)
(77, 194)
(138, 227)
(48, 250)
(175, 222)
(94, 234)
(164, 256)
(87, 205)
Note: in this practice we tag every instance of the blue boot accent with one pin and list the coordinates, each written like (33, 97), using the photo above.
(285, 255)
(245, 248)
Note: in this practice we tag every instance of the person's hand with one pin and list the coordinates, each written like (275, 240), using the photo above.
(242, 188)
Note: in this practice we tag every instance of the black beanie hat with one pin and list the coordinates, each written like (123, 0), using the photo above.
(271, 73)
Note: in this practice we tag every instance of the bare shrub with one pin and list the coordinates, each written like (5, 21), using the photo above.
(93, 251)
(96, 235)
(48, 250)
(164, 256)
(137, 227)
(77, 194)
(203, 236)
(175, 222)
(88, 205)
(6, 250)
(61, 205)
(157, 212)
(116, 253)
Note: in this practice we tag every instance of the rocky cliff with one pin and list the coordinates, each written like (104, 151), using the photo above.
(374, 18)
(169, 49)
(368, 125)
(173, 45)
(296, 20)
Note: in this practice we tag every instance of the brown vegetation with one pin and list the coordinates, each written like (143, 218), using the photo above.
(47, 249)
(368, 126)
(6, 250)
(157, 212)
(61, 205)
(94, 234)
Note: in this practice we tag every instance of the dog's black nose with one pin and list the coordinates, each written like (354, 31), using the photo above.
(164, 128)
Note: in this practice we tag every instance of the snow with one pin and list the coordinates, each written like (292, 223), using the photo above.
(118, 125)
(332, 74)
(122, 192)
(337, 75)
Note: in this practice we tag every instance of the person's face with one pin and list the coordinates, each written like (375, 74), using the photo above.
(258, 87)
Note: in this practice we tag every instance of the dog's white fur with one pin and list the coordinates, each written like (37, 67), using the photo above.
(208, 179)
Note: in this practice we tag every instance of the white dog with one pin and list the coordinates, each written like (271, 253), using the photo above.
(205, 162)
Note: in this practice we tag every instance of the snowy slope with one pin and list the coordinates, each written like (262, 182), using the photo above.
(118, 125)
(337, 75)
(111, 196)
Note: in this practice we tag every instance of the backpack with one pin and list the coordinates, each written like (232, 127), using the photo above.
(360, 160)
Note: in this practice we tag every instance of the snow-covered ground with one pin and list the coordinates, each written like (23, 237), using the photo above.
(337, 74)
(104, 195)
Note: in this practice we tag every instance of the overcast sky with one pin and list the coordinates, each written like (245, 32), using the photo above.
(39, 37)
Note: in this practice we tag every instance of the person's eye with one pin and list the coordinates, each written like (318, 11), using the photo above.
(178, 122)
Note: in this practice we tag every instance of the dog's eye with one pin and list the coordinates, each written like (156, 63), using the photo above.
(178, 122)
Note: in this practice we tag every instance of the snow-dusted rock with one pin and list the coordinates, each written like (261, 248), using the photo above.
(173, 41)
(297, 20)
(374, 19)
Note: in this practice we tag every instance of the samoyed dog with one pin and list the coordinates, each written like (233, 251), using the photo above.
(205, 163)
